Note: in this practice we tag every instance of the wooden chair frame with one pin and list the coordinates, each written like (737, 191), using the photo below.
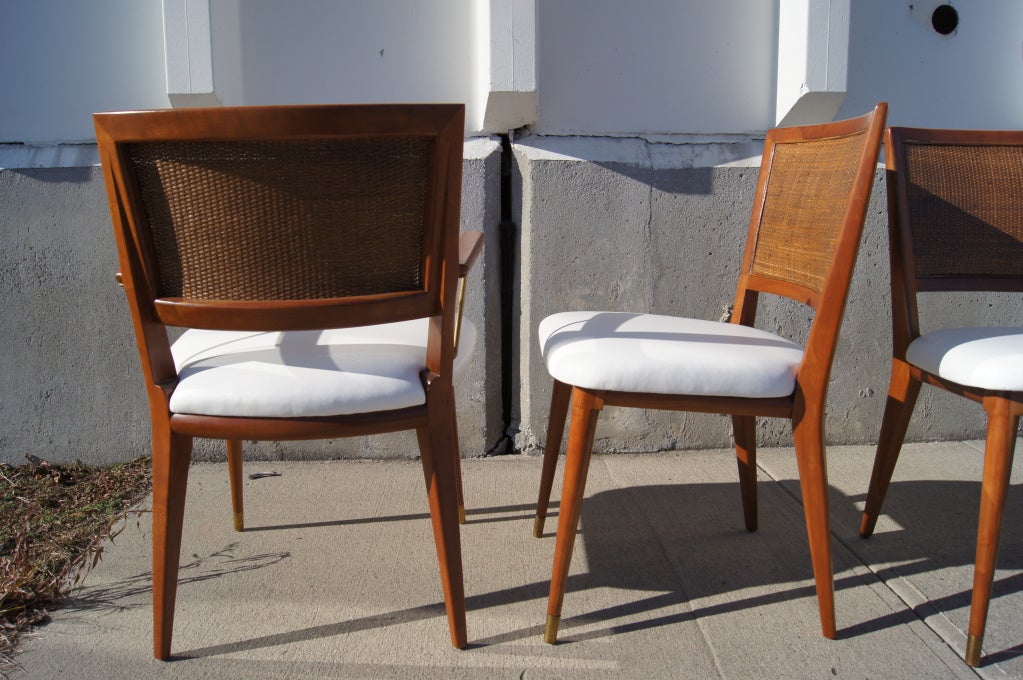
(434, 421)
(804, 407)
(1003, 408)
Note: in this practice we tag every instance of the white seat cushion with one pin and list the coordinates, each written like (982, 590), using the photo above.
(667, 355)
(988, 358)
(305, 373)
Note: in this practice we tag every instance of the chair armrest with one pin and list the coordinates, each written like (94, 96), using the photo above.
(470, 245)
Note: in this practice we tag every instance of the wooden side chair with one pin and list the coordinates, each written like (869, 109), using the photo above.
(808, 213)
(955, 211)
(312, 252)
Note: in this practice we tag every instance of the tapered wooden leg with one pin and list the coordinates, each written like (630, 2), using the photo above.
(902, 394)
(998, 454)
(745, 429)
(437, 447)
(586, 408)
(234, 471)
(458, 467)
(171, 455)
(808, 434)
(561, 395)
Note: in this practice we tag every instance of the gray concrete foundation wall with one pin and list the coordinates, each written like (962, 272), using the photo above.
(70, 386)
(634, 225)
(603, 223)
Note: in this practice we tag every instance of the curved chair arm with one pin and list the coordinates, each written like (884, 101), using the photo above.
(470, 245)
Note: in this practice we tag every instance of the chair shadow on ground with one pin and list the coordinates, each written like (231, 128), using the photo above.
(687, 542)
(473, 516)
(684, 543)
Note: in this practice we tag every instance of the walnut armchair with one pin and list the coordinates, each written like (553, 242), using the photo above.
(312, 252)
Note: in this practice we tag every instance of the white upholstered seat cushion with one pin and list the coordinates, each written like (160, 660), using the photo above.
(305, 373)
(987, 358)
(667, 355)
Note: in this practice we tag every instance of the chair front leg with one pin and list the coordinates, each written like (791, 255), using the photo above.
(561, 395)
(902, 394)
(586, 408)
(745, 430)
(171, 456)
(437, 446)
(808, 435)
(234, 472)
(998, 453)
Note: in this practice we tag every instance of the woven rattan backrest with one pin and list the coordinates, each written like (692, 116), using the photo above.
(808, 192)
(276, 218)
(958, 198)
(812, 194)
(284, 220)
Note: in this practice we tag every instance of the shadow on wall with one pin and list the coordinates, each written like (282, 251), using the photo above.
(677, 181)
(47, 175)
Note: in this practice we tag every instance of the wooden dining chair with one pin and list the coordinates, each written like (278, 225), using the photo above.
(955, 215)
(808, 213)
(312, 252)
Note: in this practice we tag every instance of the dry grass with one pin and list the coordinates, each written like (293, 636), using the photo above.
(56, 519)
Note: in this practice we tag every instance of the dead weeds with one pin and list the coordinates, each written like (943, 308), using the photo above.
(55, 521)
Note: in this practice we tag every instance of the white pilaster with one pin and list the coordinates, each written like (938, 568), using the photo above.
(813, 60)
(188, 49)
(510, 58)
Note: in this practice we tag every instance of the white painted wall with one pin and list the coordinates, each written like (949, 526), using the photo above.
(971, 79)
(670, 66)
(601, 67)
(65, 59)
(325, 51)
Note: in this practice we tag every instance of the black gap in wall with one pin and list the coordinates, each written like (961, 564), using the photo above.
(507, 246)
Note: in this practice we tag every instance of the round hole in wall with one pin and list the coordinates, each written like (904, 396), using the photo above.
(945, 19)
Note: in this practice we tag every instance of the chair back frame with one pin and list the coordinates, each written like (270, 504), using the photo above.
(910, 204)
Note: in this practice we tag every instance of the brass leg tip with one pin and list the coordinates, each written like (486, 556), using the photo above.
(239, 521)
(461, 513)
(538, 527)
(550, 631)
(973, 650)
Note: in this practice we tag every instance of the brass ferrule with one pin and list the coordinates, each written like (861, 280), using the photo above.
(973, 650)
(550, 632)
(538, 527)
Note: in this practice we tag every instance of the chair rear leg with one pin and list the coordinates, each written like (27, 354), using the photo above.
(745, 429)
(586, 408)
(437, 451)
(902, 394)
(459, 492)
(998, 454)
(171, 455)
(560, 396)
(234, 471)
(813, 483)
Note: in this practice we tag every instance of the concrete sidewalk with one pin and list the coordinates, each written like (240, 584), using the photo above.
(336, 577)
